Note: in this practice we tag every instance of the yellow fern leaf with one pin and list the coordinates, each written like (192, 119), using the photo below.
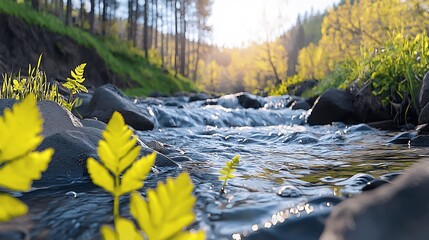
(168, 210)
(74, 84)
(133, 178)
(227, 172)
(125, 230)
(11, 207)
(100, 175)
(20, 130)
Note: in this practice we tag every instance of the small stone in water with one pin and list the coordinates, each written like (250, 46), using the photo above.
(289, 191)
(373, 185)
(71, 194)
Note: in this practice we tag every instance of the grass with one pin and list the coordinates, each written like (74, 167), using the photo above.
(128, 62)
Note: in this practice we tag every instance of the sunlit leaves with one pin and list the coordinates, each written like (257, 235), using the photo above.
(11, 207)
(227, 172)
(118, 152)
(20, 129)
(74, 84)
(168, 210)
(124, 230)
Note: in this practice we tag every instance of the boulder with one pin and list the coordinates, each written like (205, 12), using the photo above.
(300, 105)
(107, 99)
(248, 100)
(334, 105)
(424, 91)
(82, 109)
(88, 122)
(399, 210)
(367, 107)
(199, 97)
(420, 141)
(424, 114)
(299, 88)
(56, 118)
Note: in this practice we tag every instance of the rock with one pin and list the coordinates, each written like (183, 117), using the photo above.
(374, 184)
(423, 129)
(424, 91)
(420, 141)
(107, 99)
(424, 114)
(156, 145)
(248, 100)
(403, 138)
(72, 149)
(82, 110)
(289, 191)
(367, 107)
(299, 88)
(334, 105)
(384, 125)
(161, 160)
(399, 210)
(88, 122)
(300, 105)
(199, 97)
(56, 118)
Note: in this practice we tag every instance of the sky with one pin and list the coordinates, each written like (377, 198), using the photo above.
(238, 22)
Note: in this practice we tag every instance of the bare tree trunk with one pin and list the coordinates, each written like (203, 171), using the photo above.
(197, 59)
(130, 23)
(35, 4)
(156, 23)
(176, 39)
(145, 29)
(183, 38)
(135, 25)
(61, 9)
(270, 60)
(104, 19)
(92, 17)
(162, 42)
(81, 13)
(68, 12)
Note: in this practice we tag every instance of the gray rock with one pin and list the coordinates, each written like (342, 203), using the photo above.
(56, 118)
(399, 210)
(82, 110)
(248, 100)
(107, 99)
(199, 96)
(403, 138)
(300, 105)
(424, 91)
(424, 114)
(334, 105)
(88, 122)
(420, 141)
(6, 103)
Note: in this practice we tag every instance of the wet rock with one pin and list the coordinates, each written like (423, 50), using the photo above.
(107, 99)
(384, 125)
(155, 145)
(56, 118)
(423, 129)
(300, 105)
(199, 97)
(403, 138)
(248, 100)
(88, 122)
(289, 191)
(374, 184)
(299, 88)
(399, 210)
(424, 91)
(360, 128)
(367, 107)
(420, 141)
(6, 103)
(228, 101)
(72, 149)
(424, 114)
(181, 159)
(334, 105)
(82, 109)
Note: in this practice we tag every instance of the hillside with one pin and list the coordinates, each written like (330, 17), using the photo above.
(27, 33)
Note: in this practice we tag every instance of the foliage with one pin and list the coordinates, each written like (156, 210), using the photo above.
(19, 163)
(74, 84)
(227, 172)
(128, 63)
(36, 83)
(118, 152)
(169, 207)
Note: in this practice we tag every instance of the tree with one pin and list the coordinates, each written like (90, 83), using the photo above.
(68, 12)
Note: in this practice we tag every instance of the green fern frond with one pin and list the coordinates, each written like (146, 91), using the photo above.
(227, 172)
(74, 84)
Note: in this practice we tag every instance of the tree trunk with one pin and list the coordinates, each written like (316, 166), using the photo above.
(183, 38)
(81, 13)
(145, 29)
(104, 19)
(136, 19)
(68, 12)
(61, 9)
(92, 17)
(176, 38)
(270, 60)
(130, 20)
(197, 59)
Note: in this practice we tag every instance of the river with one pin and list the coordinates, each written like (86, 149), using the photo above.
(289, 172)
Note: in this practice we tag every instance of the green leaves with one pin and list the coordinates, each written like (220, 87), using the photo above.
(74, 84)
(227, 172)
(168, 210)
(20, 129)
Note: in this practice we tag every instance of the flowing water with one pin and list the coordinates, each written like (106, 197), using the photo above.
(290, 174)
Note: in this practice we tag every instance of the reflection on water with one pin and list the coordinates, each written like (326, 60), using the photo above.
(312, 166)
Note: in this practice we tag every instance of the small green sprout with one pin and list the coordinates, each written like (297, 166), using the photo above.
(227, 172)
